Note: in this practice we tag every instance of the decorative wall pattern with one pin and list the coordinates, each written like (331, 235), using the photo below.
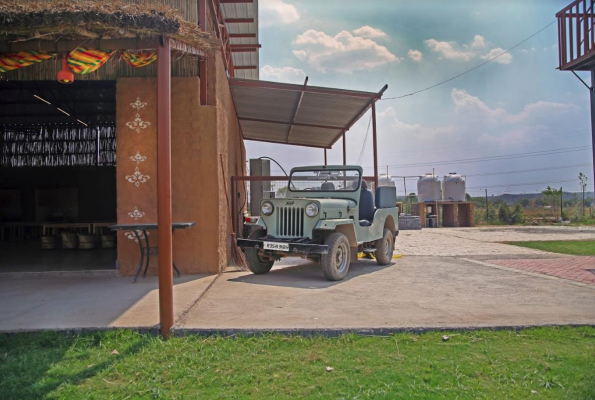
(136, 214)
(130, 235)
(137, 124)
(136, 166)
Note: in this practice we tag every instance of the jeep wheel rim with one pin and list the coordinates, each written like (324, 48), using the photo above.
(340, 257)
(389, 248)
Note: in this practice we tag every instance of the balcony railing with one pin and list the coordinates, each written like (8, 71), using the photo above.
(576, 36)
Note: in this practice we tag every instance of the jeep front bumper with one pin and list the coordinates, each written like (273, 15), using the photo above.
(294, 248)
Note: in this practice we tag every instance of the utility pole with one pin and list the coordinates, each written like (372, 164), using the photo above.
(487, 208)
(561, 203)
(407, 197)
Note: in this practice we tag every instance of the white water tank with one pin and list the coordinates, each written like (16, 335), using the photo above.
(454, 187)
(386, 180)
(429, 188)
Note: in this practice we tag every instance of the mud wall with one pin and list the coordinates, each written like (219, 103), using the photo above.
(202, 136)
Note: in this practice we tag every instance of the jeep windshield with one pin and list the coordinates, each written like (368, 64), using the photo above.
(325, 180)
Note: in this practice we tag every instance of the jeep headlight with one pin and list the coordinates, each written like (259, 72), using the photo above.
(312, 209)
(267, 208)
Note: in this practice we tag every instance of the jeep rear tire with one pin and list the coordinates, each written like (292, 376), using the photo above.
(385, 248)
(335, 264)
(256, 263)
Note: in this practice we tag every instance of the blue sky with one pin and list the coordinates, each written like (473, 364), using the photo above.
(518, 103)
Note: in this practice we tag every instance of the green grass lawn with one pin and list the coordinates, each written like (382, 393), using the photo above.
(573, 247)
(551, 363)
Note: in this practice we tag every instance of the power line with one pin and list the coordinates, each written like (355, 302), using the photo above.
(533, 170)
(506, 185)
(443, 149)
(474, 68)
(520, 171)
(493, 158)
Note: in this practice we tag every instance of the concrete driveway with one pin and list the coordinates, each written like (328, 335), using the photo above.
(446, 278)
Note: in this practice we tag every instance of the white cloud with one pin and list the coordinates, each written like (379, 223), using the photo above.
(273, 12)
(479, 42)
(479, 47)
(503, 59)
(282, 74)
(342, 52)
(415, 55)
(448, 50)
(369, 32)
(540, 113)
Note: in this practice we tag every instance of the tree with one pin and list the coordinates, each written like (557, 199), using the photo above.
(504, 213)
(582, 178)
(552, 195)
(525, 203)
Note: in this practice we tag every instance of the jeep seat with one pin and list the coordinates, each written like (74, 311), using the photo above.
(327, 187)
(366, 206)
(386, 197)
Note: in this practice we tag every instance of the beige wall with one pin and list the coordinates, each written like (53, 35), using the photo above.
(201, 136)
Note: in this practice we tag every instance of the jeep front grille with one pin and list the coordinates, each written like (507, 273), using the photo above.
(290, 222)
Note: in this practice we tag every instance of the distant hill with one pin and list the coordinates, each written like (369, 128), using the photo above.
(515, 198)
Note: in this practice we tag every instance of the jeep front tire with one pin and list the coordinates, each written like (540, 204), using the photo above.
(256, 263)
(335, 264)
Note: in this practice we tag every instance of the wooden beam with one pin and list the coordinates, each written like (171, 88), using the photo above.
(175, 45)
(246, 46)
(235, 1)
(245, 67)
(242, 35)
(69, 45)
(239, 20)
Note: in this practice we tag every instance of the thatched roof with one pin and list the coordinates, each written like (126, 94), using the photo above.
(76, 19)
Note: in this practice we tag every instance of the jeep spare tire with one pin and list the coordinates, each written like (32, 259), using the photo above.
(256, 263)
(335, 264)
(385, 248)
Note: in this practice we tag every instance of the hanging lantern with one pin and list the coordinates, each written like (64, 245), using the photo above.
(65, 76)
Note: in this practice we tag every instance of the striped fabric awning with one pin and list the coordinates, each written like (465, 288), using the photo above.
(83, 60)
(12, 61)
(139, 59)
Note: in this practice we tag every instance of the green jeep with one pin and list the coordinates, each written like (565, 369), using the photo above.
(328, 216)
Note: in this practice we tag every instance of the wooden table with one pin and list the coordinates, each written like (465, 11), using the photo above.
(16, 230)
(98, 226)
(136, 228)
(52, 227)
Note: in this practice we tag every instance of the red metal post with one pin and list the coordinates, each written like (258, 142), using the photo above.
(164, 206)
(324, 156)
(375, 145)
(593, 120)
(344, 150)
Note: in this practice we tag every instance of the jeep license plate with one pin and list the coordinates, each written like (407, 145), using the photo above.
(276, 246)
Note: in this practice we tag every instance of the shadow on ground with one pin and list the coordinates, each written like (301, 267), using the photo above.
(309, 275)
(50, 350)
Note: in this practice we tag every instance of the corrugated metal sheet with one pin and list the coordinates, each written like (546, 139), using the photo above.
(267, 111)
(244, 10)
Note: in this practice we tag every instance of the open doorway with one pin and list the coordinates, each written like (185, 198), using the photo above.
(57, 176)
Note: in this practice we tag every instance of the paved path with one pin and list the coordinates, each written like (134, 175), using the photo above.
(579, 269)
(446, 278)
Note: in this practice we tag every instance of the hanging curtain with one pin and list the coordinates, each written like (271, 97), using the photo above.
(10, 61)
(83, 60)
(139, 59)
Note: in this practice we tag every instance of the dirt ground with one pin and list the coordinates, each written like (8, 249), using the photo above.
(446, 278)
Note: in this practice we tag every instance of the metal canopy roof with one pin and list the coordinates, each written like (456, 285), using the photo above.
(297, 114)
